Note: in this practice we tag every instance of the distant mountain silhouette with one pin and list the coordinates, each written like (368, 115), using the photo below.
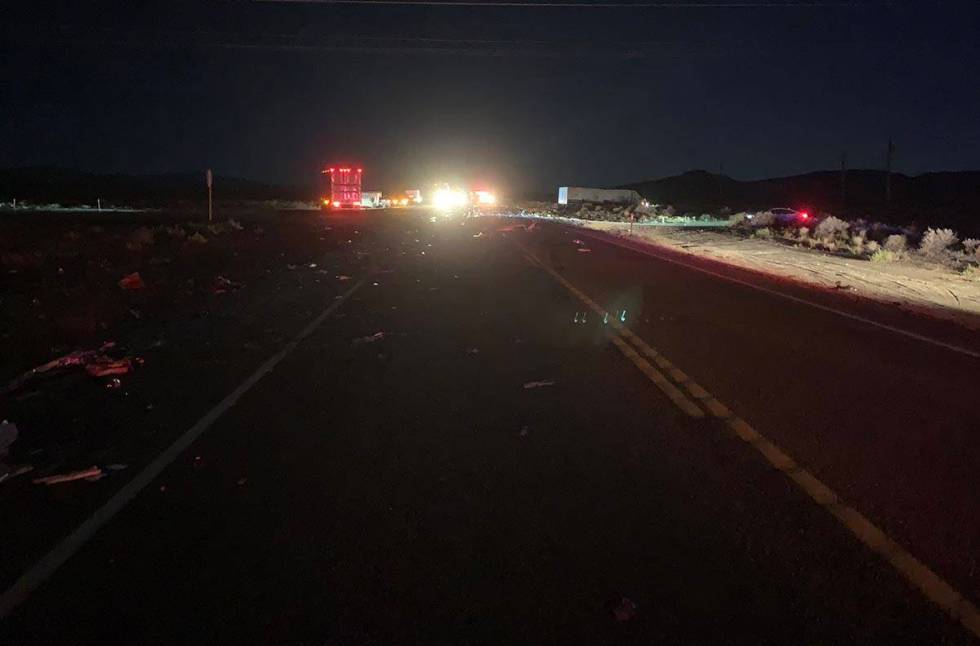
(41, 184)
(931, 199)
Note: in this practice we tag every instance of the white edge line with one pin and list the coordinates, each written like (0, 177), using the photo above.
(49, 564)
(912, 335)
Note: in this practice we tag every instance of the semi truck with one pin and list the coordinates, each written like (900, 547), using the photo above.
(573, 194)
(345, 187)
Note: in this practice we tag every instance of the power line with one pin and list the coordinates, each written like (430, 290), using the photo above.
(593, 5)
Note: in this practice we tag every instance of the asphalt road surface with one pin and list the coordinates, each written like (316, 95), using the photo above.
(493, 433)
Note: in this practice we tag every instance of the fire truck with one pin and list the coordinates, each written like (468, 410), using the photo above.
(345, 188)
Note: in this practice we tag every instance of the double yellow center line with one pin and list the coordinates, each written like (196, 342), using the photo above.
(695, 401)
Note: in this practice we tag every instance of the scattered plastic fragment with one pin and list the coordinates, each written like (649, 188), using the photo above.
(539, 384)
(584, 250)
(7, 472)
(132, 281)
(8, 435)
(91, 474)
(478, 235)
(343, 277)
(222, 285)
(76, 358)
(312, 265)
(625, 611)
(377, 336)
(104, 367)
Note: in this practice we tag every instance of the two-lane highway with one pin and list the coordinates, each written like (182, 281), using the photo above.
(489, 435)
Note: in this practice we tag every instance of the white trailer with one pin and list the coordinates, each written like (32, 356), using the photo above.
(570, 194)
(371, 199)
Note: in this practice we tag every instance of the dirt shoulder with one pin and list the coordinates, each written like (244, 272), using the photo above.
(932, 290)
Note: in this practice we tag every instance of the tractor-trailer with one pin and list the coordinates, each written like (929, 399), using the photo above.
(345, 187)
(571, 194)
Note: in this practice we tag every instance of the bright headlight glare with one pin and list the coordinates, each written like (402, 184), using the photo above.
(447, 198)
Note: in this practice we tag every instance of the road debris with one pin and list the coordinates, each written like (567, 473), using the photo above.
(478, 235)
(577, 241)
(625, 611)
(223, 285)
(76, 358)
(7, 471)
(377, 336)
(91, 474)
(584, 250)
(104, 366)
(132, 281)
(8, 435)
(343, 277)
(539, 384)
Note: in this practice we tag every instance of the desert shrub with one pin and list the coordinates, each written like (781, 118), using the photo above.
(141, 237)
(896, 243)
(972, 248)
(831, 229)
(936, 243)
(857, 242)
(762, 219)
(764, 233)
(971, 272)
(197, 238)
(177, 232)
(871, 246)
(884, 255)
(234, 224)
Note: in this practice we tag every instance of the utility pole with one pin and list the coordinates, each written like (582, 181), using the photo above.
(888, 172)
(209, 177)
(843, 178)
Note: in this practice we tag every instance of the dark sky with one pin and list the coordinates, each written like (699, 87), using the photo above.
(520, 97)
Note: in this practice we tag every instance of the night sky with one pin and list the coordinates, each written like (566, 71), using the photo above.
(516, 97)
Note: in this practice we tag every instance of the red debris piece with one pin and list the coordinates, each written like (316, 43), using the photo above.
(90, 474)
(104, 366)
(625, 611)
(132, 281)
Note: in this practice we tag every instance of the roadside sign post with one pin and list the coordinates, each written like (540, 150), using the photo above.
(210, 179)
